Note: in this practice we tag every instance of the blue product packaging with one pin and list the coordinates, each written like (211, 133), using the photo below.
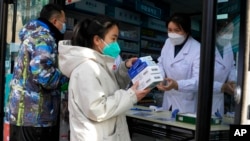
(133, 72)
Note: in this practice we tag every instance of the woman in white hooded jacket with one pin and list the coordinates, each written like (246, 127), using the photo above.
(97, 99)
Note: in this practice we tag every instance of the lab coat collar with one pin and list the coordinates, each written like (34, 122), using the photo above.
(218, 57)
(184, 51)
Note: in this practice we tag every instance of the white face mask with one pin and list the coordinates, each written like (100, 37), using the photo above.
(225, 39)
(176, 39)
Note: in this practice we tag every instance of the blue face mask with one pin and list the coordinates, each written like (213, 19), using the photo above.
(112, 49)
(63, 30)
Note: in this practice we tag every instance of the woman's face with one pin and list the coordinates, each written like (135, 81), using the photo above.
(111, 36)
(225, 35)
(227, 30)
(174, 28)
(176, 34)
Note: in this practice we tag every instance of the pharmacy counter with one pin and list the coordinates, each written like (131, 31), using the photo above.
(160, 124)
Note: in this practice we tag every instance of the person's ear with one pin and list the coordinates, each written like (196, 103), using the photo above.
(97, 41)
(53, 21)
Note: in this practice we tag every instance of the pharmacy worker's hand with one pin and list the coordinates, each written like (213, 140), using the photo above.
(140, 93)
(129, 62)
(167, 84)
(228, 87)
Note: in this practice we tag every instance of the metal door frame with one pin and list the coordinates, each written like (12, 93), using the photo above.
(3, 31)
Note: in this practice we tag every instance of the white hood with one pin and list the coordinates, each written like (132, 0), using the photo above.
(71, 56)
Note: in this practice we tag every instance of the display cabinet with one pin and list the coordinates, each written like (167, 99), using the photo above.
(129, 40)
(151, 42)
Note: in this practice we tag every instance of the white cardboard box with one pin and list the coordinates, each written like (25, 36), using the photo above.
(146, 71)
(150, 81)
(149, 70)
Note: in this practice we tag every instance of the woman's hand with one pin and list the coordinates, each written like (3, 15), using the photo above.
(167, 84)
(129, 62)
(140, 93)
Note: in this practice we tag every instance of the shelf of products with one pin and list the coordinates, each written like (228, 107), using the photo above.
(151, 42)
(140, 34)
(129, 40)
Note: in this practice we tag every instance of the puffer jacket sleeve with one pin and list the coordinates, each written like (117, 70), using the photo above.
(43, 64)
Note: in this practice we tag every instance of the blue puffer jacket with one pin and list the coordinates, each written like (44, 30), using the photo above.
(34, 99)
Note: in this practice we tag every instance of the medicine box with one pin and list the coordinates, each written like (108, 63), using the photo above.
(138, 66)
(146, 71)
(149, 70)
(150, 81)
(147, 59)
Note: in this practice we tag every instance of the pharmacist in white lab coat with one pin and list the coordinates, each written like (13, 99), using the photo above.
(225, 70)
(179, 63)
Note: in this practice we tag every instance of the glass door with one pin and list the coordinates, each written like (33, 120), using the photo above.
(226, 63)
(222, 74)
(229, 86)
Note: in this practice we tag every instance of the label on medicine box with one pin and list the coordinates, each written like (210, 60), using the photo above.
(149, 70)
(150, 81)
(147, 59)
(134, 71)
(144, 58)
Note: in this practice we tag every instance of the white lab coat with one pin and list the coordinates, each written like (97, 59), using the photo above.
(225, 70)
(184, 68)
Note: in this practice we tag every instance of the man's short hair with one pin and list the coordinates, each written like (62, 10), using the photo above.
(50, 10)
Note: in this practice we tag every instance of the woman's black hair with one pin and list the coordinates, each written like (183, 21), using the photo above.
(182, 20)
(222, 24)
(84, 31)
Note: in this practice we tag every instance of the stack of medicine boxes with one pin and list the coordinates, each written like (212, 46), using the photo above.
(146, 71)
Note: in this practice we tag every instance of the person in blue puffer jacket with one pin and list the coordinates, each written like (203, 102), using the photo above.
(34, 99)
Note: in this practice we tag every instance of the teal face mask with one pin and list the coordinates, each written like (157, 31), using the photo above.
(112, 49)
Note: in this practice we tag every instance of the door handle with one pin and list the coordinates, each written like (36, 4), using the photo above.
(237, 94)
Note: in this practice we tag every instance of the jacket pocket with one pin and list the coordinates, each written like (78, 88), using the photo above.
(119, 135)
(113, 137)
(120, 132)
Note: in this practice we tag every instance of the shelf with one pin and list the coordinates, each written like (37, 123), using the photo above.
(128, 39)
(157, 46)
(153, 39)
(153, 35)
(129, 50)
(129, 32)
(137, 37)
(126, 55)
(151, 48)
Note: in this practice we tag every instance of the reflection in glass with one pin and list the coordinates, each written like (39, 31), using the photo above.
(225, 73)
